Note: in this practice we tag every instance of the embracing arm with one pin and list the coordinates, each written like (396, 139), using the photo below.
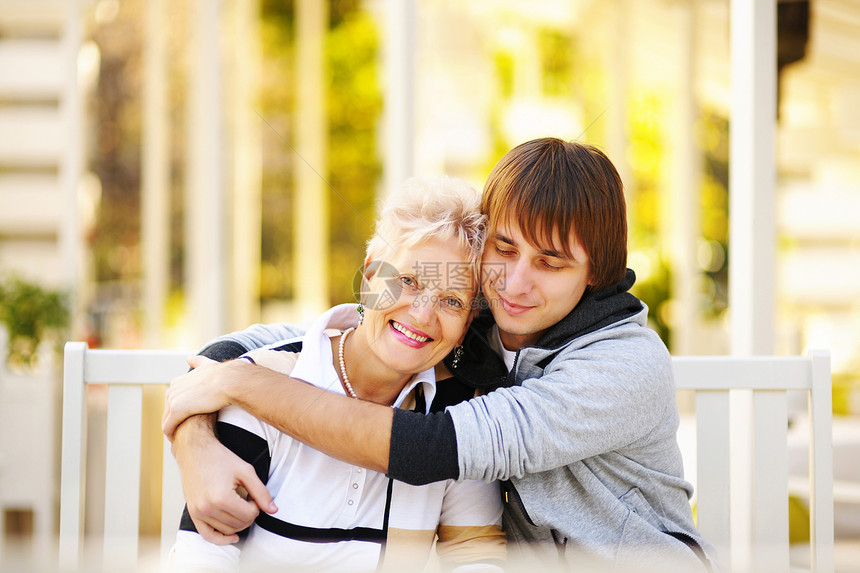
(351, 430)
(361, 433)
(612, 395)
(348, 429)
(255, 336)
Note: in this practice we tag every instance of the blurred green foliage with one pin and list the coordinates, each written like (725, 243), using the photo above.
(647, 156)
(354, 110)
(846, 387)
(31, 314)
(713, 138)
(646, 117)
(559, 60)
(114, 141)
(570, 70)
(276, 97)
(353, 106)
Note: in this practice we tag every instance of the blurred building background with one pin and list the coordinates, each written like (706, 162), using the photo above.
(181, 169)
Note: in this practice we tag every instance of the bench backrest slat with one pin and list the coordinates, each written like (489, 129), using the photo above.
(741, 429)
(125, 372)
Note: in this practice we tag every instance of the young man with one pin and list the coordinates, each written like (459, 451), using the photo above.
(580, 419)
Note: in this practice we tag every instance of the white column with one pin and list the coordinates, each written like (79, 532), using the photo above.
(72, 160)
(752, 176)
(205, 240)
(683, 219)
(751, 236)
(399, 113)
(247, 146)
(155, 179)
(617, 61)
(310, 220)
(70, 244)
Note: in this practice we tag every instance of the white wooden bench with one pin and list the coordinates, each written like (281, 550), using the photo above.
(742, 419)
(748, 522)
(125, 373)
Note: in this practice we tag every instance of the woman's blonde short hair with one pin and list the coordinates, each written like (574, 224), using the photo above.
(431, 208)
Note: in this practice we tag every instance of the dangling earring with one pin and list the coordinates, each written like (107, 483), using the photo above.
(458, 354)
(360, 310)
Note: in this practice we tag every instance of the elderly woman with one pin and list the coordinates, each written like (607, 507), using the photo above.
(418, 293)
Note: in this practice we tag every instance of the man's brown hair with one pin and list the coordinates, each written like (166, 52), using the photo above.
(550, 187)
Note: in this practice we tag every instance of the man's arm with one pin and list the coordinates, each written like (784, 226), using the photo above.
(354, 431)
(348, 429)
(255, 336)
(606, 396)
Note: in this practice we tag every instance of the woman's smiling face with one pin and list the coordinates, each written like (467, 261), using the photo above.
(419, 302)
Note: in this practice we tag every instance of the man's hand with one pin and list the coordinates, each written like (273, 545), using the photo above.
(222, 492)
(200, 391)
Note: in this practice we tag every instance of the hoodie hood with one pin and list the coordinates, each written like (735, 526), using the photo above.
(482, 367)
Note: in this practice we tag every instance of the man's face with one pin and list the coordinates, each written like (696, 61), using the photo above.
(530, 288)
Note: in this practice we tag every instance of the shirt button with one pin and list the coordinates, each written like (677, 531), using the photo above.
(350, 502)
(355, 486)
(358, 471)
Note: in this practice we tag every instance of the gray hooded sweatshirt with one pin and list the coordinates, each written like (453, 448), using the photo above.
(582, 432)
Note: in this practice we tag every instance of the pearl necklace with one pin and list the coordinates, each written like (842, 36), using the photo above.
(344, 377)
